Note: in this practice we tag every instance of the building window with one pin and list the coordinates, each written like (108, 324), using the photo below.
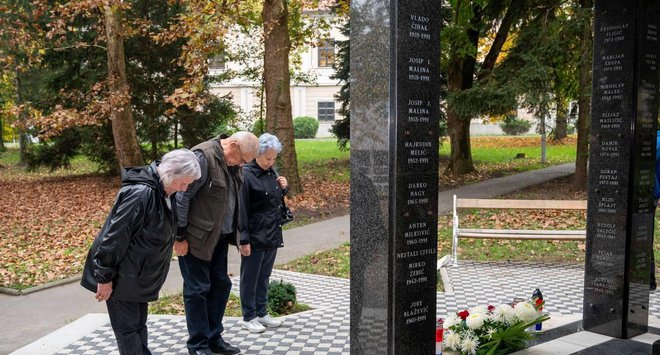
(326, 111)
(326, 52)
(217, 63)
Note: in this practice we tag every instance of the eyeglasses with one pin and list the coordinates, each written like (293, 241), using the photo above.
(240, 154)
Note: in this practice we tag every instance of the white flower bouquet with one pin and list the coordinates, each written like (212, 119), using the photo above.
(492, 330)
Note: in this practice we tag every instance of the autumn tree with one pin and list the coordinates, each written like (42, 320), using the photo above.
(6, 101)
(20, 43)
(78, 54)
(41, 26)
(123, 125)
(277, 84)
(549, 65)
(472, 21)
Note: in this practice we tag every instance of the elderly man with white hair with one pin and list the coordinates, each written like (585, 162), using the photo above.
(208, 222)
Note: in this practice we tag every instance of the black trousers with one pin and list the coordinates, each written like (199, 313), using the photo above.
(129, 323)
(255, 276)
(206, 288)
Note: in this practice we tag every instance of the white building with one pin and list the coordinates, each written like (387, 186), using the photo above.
(315, 99)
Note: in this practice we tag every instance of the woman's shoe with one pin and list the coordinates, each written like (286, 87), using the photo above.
(254, 326)
(269, 321)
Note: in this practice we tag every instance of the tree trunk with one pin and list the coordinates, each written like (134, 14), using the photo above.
(460, 156)
(561, 121)
(460, 76)
(22, 135)
(123, 126)
(544, 154)
(2, 136)
(279, 120)
(584, 101)
(176, 132)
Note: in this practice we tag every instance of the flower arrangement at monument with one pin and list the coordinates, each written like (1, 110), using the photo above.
(492, 330)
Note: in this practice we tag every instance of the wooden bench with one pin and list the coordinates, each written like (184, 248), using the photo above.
(520, 234)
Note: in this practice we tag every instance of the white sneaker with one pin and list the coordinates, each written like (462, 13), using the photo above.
(269, 321)
(254, 326)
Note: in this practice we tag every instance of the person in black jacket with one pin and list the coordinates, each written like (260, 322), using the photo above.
(260, 231)
(128, 261)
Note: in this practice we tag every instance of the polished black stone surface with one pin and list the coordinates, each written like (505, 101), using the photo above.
(621, 167)
(618, 347)
(394, 174)
(614, 346)
(556, 333)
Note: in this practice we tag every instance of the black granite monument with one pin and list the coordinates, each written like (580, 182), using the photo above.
(395, 47)
(620, 210)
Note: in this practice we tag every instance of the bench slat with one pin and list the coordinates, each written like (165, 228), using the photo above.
(522, 204)
(523, 231)
(523, 236)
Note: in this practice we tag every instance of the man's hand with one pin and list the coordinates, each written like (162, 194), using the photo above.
(181, 248)
(103, 291)
(245, 249)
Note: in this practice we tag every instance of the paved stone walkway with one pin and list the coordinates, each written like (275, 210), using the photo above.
(325, 329)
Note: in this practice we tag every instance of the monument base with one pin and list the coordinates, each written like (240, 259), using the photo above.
(565, 335)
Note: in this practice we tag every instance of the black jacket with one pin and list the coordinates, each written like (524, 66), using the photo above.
(134, 247)
(260, 220)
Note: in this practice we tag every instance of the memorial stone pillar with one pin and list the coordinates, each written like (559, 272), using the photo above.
(624, 113)
(395, 53)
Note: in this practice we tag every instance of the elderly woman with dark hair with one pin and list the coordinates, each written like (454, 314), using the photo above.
(260, 229)
(129, 259)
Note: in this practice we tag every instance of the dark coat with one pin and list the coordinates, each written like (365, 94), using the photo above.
(134, 247)
(260, 220)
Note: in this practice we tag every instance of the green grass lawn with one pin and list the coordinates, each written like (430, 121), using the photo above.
(485, 156)
(333, 262)
(323, 158)
(9, 159)
(311, 151)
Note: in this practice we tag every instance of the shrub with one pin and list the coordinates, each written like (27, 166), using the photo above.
(514, 126)
(281, 297)
(305, 127)
(570, 129)
(258, 127)
(199, 125)
(443, 129)
(55, 153)
(99, 146)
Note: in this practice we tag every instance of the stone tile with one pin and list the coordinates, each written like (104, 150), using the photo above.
(329, 322)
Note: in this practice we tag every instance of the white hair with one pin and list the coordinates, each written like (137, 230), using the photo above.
(177, 164)
(268, 142)
(247, 141)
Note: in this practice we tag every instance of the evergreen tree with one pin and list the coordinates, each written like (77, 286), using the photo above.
(342, 128)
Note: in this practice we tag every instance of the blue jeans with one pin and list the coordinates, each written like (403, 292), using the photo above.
(129, 323)
(206, 288)
(255, 275)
